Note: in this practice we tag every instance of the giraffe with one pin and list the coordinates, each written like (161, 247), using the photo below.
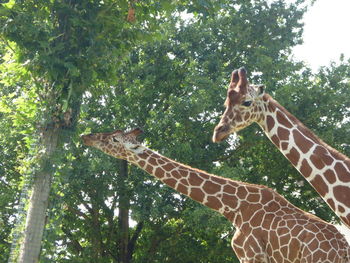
(269, 229)
(327, 170)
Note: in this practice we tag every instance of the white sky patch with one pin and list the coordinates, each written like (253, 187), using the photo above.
(326, 33)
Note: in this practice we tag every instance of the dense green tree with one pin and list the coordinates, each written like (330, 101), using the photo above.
(90, 58)
(67, 47)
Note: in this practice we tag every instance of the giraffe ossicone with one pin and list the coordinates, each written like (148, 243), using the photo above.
(326, 169)
(268, 227)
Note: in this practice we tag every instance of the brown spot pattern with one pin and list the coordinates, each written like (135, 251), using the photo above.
(342, 193)
(270, 122)
(317, 161)
(305, 168)
(283, 134)
(282, 119)
(293, 156)
(303, 144)
(330, 176)
(320, 185)
(211, 188)
(342, 173)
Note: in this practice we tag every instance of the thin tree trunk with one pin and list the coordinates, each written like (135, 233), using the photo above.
(123, 218)
(39, 199)
(37, 216)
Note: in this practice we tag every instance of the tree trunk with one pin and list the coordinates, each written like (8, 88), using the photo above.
(123, 218)
(39, 199)
(58, 130)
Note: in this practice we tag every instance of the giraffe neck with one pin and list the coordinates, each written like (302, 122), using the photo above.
(218, 193)
(327, 170)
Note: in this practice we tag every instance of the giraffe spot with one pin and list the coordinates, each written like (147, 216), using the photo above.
(341, 209)
(204, 175)
(238, 117)
(149, 169)
(183, 173)
(242, 193)
(160, 161)
(197, 194)
(293, 156)
(257, 217)
(330, 176)
(218, 180)
(230, 116)
(176, 174)
(195, 180)
(211, 188)
(170, 181)
(266, 195)
(346, 219)
(342, 173)
(302, 142)
(320, 185)
(282, 119)
(229, 201)
(342, 193)
(331, 203)
(267, 221)
(184, 182)
(213, 202)
(159, 173)
(182, 189)
(253, 198)
(152, 161)
(274, 240)
(284, 146)
(323, 153)
(169, 166)
(272, 206)
(142, 163)
(270, 122)
(246, 116)
(229, 189)
(283, 134)
(317, 161)
(229, 215)
(305, 168)
(271, 107)
(275, 140)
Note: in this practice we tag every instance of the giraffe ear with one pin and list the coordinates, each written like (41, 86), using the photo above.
(261, 90)
(135, 132)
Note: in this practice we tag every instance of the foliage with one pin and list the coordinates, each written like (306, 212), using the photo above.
(168, 76)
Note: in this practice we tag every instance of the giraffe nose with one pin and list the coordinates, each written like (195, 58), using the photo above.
(220, 133)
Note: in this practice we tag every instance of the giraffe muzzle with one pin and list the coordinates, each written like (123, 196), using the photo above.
(221, 132)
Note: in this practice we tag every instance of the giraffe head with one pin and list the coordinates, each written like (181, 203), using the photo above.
(242, 106)
(119, 144)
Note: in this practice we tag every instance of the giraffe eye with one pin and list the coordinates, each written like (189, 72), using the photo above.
(247, 103)
(114, 139)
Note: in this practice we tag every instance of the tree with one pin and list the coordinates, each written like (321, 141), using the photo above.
(67, 47)
(173, 88)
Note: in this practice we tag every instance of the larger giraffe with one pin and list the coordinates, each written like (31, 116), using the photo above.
(327, 170)
(269, 229)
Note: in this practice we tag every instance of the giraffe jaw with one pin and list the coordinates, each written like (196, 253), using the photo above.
(87, 140)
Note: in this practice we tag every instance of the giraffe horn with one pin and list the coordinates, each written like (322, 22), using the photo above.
(234, 78)
(242, 84)
(135, 132)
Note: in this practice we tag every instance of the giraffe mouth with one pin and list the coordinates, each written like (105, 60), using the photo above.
(219, 136)
(87, 139)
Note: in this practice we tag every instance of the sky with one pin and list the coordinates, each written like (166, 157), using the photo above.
(326, 33)
(326, 36)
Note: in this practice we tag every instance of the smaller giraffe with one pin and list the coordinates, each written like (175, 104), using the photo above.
(326, 169)
(269, 229)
